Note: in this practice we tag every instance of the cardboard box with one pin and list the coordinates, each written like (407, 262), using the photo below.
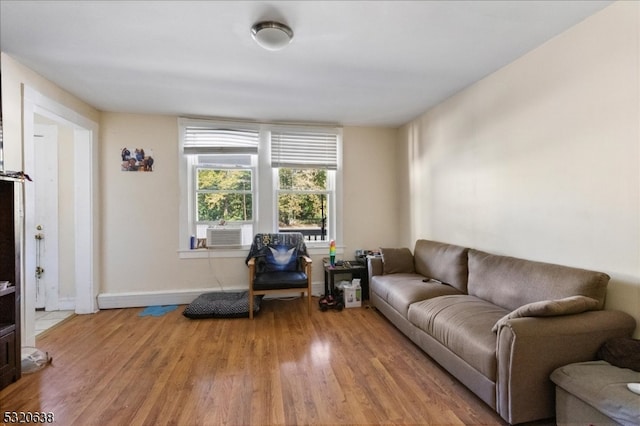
(352, 297)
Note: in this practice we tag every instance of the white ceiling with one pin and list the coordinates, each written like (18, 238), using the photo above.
(379, 63)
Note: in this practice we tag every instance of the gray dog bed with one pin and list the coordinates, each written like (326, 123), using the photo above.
(221, 305)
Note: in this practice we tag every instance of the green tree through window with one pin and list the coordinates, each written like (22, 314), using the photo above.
(303, 199)
(224, 194)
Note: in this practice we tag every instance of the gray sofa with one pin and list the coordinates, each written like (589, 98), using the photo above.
(499, 324)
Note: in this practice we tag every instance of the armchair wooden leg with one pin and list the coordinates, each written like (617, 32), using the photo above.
(309, 285)
(252, 274)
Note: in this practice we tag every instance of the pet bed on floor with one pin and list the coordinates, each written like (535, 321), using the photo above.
(221, 305)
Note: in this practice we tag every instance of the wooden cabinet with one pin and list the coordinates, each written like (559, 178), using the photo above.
(10, 234)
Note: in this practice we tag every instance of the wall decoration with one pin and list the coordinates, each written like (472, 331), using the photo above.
(137, 161)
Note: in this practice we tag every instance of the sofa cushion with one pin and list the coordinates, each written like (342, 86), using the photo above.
(550, 308)
(443, 262)
(397, 261)
(280, 279)
(510, 282)
(383, 284)
(463, 324)
(401, 290)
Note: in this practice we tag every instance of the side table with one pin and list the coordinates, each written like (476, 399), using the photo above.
(352, 267)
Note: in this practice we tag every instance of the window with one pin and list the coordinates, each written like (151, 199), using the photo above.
(259, 177)
(222, 158)
(306, 160)
(223, 192)
(303, 202)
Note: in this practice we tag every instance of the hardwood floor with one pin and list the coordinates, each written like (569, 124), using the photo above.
(284, 367)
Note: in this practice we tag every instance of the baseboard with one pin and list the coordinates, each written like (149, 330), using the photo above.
(169, 297)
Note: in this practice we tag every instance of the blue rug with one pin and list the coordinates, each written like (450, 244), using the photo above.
(157, 311)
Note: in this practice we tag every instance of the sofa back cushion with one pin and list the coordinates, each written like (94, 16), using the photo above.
(397, 261)
(443, 262)
(510, 282)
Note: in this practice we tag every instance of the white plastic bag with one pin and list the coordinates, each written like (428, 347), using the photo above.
(33, 359)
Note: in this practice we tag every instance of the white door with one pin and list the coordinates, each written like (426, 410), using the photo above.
(45, 232)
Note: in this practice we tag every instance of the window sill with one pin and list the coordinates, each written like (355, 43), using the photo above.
(213, 253)
(314, 250)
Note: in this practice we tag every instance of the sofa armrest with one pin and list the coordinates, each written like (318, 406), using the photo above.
(374, 266)
(530, 348)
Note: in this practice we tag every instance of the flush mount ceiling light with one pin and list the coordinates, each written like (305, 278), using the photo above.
(271, 35)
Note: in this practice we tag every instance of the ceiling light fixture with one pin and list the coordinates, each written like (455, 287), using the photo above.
(271, 35)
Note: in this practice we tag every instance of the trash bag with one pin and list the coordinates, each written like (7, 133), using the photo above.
(33, 359)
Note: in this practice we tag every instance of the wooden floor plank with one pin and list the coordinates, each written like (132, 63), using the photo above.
(351, 367)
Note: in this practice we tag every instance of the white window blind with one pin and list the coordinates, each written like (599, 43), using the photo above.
(206, 137)
(304, 149)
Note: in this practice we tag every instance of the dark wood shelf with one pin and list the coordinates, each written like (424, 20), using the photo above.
(8, 290)
(6, 328)
(10, 263)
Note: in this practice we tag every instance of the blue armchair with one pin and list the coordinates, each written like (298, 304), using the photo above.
(278, 263)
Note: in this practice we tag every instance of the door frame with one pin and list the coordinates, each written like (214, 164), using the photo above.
(85, 164)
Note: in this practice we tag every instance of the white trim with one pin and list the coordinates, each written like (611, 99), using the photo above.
(322, 250)
(28, 308)
(149, 298)
(85, 242)
(172, 297)
(86, 208)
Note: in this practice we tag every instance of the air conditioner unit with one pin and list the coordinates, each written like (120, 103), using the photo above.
(224, 237)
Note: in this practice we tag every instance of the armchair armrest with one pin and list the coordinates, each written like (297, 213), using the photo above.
(530, 348)
(251, 263)
(306, 264)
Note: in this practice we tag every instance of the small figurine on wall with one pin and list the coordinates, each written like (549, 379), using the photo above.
(138, 162)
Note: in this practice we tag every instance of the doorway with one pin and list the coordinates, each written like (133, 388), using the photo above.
(46, 212)
(60, 233)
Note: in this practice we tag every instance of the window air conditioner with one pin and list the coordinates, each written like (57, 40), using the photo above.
(224, 237)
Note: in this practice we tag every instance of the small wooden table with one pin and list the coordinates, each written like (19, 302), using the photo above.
(353, 267)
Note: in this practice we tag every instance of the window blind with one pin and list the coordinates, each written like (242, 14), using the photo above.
(220, 138)
(304, 149)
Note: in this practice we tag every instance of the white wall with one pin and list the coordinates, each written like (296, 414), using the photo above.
(140, 210)
(66, 218)
(14, 77)
(541, 159)
(370, 188)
